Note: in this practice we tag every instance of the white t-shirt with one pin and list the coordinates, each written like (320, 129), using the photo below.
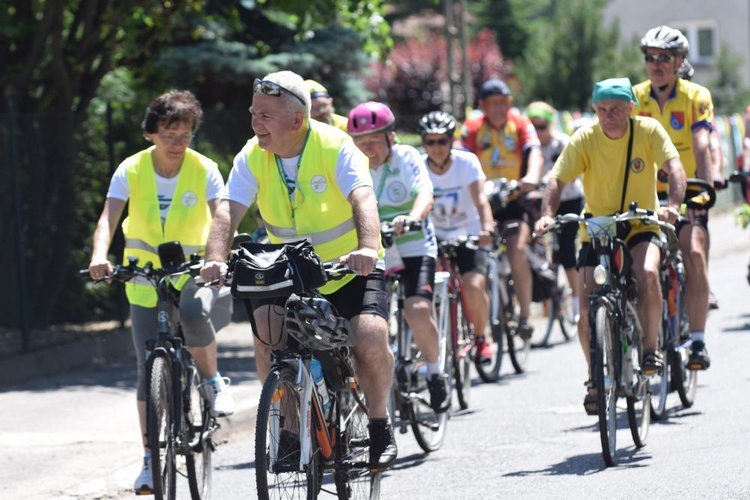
(454, 214)
(119, 189)
(551, 152)
(242, 186)
(397, 185)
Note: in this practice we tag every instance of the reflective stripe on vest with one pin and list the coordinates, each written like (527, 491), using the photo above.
(290, 234)
(188, 220)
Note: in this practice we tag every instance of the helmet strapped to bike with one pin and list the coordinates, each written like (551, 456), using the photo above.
(437, 122)
(315, 323)
(664, 37)
(370, 117)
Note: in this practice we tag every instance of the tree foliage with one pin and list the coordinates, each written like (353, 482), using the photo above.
(728, 91)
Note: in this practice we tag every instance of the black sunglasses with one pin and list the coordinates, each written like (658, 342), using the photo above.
(272, 88)
(440, 142)
(662, 58)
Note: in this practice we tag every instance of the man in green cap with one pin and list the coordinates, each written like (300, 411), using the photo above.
(599, 153)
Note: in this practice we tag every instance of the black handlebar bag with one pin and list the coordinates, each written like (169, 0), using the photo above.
(265, 270)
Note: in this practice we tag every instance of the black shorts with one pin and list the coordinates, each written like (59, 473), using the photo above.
(362, 295)
(587, 257)
(514, 210)
(418, 276)
(566, 255)
(472, 259)
(700, 220)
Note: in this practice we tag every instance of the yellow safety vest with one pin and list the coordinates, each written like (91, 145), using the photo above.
(188, 220)
(317, 210)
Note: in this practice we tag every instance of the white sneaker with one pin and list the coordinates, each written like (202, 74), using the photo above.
(222, 403)
(144, 484)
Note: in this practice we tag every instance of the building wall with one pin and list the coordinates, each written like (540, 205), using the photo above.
(730, 18)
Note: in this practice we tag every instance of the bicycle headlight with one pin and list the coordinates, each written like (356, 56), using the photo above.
(600, 275)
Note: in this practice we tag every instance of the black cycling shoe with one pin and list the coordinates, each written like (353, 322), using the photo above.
(438, 386)
(383, 449)
(525, 330)
(699, 359)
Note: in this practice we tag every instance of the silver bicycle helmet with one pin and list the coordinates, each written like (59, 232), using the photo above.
(315, 324)
(437, 122)
(664, 37)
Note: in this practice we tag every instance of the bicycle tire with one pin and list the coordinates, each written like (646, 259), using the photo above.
(198, 427)
(352, 476)
(559, 311)
(660, 387)
(683, 380)
(518, 347)
(427, 425)
(489, 371)
(277, 473)
(160, 420)
(638, 404)
(604, 380)
(461, 358)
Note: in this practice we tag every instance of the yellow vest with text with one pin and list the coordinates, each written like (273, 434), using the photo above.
(317, 210)
(188, 220)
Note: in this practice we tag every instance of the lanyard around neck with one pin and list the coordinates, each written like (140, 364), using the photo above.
(290, 184)
(381, 182)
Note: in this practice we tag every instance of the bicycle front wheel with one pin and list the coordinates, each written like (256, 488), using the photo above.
(638, 402)
(683, 380)
(605, 381)
(198, 427)
(519, 346)
(280, 471)
(489, 369)
(660, 383)
(461, 354)
(161, 428)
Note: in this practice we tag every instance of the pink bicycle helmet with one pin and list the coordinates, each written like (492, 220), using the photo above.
(370, 117)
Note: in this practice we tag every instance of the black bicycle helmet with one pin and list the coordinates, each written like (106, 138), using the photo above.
(437, 122)
(664, 37)
(314, 322)
(685, 71)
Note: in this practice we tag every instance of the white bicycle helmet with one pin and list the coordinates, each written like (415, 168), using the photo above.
(664, 37)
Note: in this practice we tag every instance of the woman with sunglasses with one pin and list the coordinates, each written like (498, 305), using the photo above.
(542, 116)
(404, 194)
(461, 209)
(173, 192)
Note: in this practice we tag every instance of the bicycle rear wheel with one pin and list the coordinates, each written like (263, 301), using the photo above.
(559, 310)
(605, 381)
(278, 445)
(161, 428)
(518, 346)
(461, 355)
(198, 427)
(352, 477)
(638, 404)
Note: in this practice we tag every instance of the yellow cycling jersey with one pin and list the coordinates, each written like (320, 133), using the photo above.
(600, 161)
(688, 108)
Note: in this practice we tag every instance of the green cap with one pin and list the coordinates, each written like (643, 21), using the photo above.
(614, 88)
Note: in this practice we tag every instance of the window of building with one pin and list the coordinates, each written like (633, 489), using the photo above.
(702, 37)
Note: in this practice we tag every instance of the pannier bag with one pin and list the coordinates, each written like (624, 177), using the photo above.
(263, 270)
(543, 278)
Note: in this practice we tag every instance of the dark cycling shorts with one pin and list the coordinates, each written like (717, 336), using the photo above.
(566, 256)
(514, 210)
(587, 256)
(700, 220)
(472, 259)
(418, 276)
(362, 295)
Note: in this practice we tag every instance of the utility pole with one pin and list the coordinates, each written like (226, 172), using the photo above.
(450, 35)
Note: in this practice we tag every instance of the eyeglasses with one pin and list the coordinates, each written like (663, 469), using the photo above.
(176, 140)
(268, 87)
(439, 142)
(661, 58)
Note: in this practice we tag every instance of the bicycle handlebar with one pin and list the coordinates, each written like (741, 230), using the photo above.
(634, 214)
(127, 272)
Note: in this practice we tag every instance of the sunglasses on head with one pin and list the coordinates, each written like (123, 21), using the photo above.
(268, 87)
(662, 58)
(441, 142)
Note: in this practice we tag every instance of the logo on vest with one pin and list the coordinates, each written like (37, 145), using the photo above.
(319, 183)
(189, 199)
(397, 191)
(637, 165)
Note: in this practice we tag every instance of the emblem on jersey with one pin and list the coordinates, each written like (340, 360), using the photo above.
(677, 120)
(510, 142)
(397, 191)
(637, 165)
(318, 183)
(189, 199)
